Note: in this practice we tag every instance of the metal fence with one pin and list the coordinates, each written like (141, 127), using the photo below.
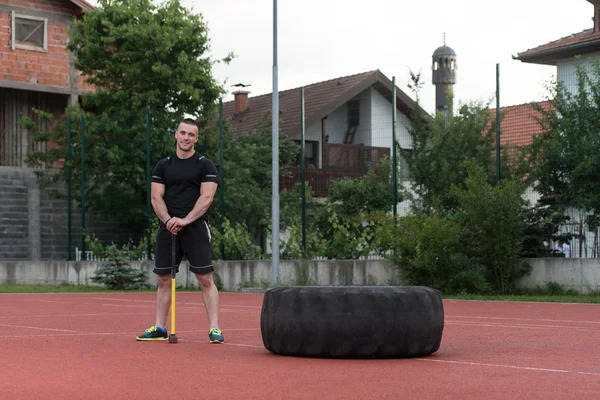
(381, 125)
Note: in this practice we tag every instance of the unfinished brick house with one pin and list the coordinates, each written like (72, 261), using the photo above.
(36, 70)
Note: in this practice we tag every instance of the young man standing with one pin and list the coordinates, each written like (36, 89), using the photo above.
(183, 188)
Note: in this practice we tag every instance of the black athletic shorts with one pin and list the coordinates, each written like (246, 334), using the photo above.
(194, 242)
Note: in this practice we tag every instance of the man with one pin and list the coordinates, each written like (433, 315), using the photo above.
(183, 188)
(563, 248)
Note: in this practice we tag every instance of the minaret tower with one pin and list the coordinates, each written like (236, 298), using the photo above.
(444, 77)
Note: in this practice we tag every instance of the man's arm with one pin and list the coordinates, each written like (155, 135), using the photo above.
(158, 202)
(207, 195)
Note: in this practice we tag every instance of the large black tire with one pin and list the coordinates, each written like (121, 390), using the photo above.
(352, 321)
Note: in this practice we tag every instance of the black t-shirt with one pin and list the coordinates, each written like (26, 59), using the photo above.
(182, 179)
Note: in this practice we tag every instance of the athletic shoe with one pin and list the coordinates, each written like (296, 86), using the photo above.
(215, 336)
(154, 333)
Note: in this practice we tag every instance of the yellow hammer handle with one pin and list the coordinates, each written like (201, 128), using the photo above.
(173, 306)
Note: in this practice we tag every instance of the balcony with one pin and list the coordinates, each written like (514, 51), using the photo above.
(342, 161)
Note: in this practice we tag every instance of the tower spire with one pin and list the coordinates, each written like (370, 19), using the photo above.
(444, 77)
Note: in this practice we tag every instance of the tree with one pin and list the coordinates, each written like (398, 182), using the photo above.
(494, 218)
(441, 143)
(347, 221)
(139, 56)
(566, 155)
(247, 174)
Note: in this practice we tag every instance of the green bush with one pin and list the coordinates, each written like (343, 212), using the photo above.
(116, 273)
(494, 218)
(429, 251)
(235, 241)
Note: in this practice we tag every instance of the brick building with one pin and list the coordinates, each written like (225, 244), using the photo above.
(36, 70)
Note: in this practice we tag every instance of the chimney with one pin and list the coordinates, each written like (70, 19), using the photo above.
(240, 101)
(596, 17)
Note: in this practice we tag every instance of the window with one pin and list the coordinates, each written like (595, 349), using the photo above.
(311, 152)
(404, 167)
(29, 33)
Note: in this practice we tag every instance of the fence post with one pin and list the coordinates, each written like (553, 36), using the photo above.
(303, 166)
(83, 257)
(69, 212)
(394, 162)
(148, 184)
(498, 122)
(221, 174)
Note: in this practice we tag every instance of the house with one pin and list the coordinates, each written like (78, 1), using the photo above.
(36, 71)
(348, 124)
(519, 125)
(565, 53)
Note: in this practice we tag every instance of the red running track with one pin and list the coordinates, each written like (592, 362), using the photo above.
(82, 346)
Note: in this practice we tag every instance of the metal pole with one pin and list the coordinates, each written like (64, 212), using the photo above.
(83, 257)
(148, 201)
(275, 162)
(69, 196)
(302, 133)
(498, 122)
(222, 173)
(394, 162)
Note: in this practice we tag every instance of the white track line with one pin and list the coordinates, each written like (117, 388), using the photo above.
(73, 315)
(562, 371)
(186, 302)
(530, 326)
(526, 319)
(38, 328)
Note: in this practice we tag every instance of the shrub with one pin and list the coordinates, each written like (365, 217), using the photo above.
(429, 251)
(116, 273)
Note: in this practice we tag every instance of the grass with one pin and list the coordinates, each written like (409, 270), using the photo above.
(549, 293)
(548, 298)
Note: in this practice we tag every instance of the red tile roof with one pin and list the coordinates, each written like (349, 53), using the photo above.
(519, 124)
(586, 41)
(320, 99)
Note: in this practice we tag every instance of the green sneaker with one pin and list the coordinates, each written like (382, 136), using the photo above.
(215, 335)
(154, 333)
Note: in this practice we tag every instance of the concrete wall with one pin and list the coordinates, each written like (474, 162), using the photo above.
(583, 275)
(232, 274)
(580, 274)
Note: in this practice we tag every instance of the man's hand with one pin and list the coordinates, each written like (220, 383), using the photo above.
(174, 225)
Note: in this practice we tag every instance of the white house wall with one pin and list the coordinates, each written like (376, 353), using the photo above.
(566, 70)
(313, 133)
(381, 114)
(337, 121)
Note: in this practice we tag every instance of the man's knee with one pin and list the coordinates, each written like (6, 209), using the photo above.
(164, 281)
(205, 280)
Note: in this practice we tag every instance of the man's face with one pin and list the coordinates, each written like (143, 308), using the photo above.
(187, 136)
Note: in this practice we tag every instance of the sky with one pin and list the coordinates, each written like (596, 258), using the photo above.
(325, 39)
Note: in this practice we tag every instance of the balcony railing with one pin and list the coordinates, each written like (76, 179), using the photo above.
(341, 161)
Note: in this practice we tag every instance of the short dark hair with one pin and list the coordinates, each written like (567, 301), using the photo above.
(189, 121)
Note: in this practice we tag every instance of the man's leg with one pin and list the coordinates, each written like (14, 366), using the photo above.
(163, 300)
(197, 245)
(162, 269)
(163, 303)
(210, 295)
(211, 298)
